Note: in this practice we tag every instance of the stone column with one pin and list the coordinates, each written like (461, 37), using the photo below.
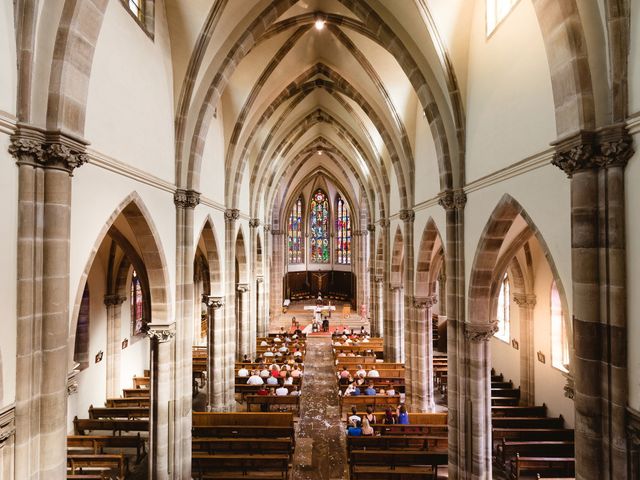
(387, 318)
(371, 228)
(245, 326)
(394, 330)
(216, 385)
(277, 272)
(7, 442)
(266, 258)
(113, 303)
(46, 161)
(377, 326)
(230, 218)
(453, 201)
(262, 326)
(185, 202)
(478, 403)
(423, 391)
(409, 354)
(595, 163)
(633, 443)
(362, 249)
(159, 456)
(526, 303)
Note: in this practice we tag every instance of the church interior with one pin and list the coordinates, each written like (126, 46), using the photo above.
(320, 239)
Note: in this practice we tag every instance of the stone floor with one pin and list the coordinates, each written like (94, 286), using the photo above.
(320, 440)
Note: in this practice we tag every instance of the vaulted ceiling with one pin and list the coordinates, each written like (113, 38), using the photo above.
(310, 87)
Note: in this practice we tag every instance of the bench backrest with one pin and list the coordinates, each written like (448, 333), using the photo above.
(242, 418)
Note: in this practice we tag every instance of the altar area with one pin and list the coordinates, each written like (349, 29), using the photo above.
(341, 316)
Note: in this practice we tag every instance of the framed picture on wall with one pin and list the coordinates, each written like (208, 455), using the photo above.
(515, 344)
(541, 357)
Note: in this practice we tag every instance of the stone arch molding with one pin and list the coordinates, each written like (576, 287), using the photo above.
(209, 237)
(139, 219)
(425, 280)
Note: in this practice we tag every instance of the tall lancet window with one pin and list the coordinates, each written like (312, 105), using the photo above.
(503, 310)
(343, 232)
(559, 343)
(319, 227)
(137, 306)
(295, 233)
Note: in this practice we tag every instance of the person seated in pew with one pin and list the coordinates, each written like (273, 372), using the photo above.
(342, 354)
(282, 391)
(243, 372)
(361, 371)
(373, 373)
(382, 392)
(297, 358)
(337, 343)
(354, 417)
(264, 343)
(259, 359)
(272, 381)
(268, 354)
(294, 391)
(296, 372)
(351, 354)
(389, 418)
(286, 367)
(288, 379)
(272, 392)
(283, 349)
(277, 340)
(360, 380)
(255, 379)
(355, 430)
(367, 429)
(264, 371)
(344, 373)
(403, 415)
(369, 415)
(246, 359)
(365, 339)
(297, 352)
(262, 390)
(351, 390)
(370, 390)
(390, 391)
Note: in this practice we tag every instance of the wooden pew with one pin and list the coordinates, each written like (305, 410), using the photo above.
(81, 425)
(213, 445)
(413, 429)
(81, 476)
(269, 400)
(141, 382)
(519, 411)
(97, 443)
(135, 392)
(506, 450)
(389, 442)
(392, 463)
(527, 422)
(116, 462)
(544, 466)
(229, 465)
(532, 434)
(118, 412)
(128, 402)
(243, 425)
(377, 401)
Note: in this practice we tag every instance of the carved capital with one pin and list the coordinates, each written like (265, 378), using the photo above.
(276, 232)
(260, 279)
(26, 150)
(452, 199)
(395, 287)
(267, 227)
(575, 153)
(480, 332)
(186, 198)
(213, 302)
(524, 299)
(422, 303)
(633, 427)
(60, 156)
(407, 215)
(371, 227)
(113, 299)
(7, 424)
(378, 279)
(231, 214)
(384, 222)
(360, 233)
(162, 332)
(254, 222)
(242, 287)
(615, 147)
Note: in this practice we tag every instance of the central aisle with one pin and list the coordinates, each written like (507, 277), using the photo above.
(320, 441)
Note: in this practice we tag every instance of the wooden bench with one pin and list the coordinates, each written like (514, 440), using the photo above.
(519, 411)
(527, 422)
(128, 402)
(506, 450)
(269, 400)
(81, 425)
(116, 462)
(228, 465)
(413, 429)
(543, 466)
(213, 445)
(377, 401)
(81, 476)
(135, 392)
(389, 442)
(118, 412)
(532, 434)
(404, 461)
(97, 443)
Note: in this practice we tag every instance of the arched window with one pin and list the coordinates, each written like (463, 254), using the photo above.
(343, 232)
(137, 306)
(503, 310)
(559, 343)
(81, 351)
(296, 241)
(319, 212)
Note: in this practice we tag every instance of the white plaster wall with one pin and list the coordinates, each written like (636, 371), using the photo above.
(544, 195)
(8, 267)
(549, 381)
(510, 112)
(504, 358)
(130, 100)
(8, 71)
(201, 213)
(97, 193)
(632, 191)
(136, 357)
(426, 180)
(634, 58)
(213, 173)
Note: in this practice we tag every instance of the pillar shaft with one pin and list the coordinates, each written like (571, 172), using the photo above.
(215, 355)
(246, 328)
(230, 328)
(526, 303)
(377, 327)
(113, 304)
(424, 400)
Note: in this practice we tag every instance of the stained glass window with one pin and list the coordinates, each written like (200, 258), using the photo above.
(319, 227)
(343, 232)
(503, 310)
(295, 233)
(137, 306)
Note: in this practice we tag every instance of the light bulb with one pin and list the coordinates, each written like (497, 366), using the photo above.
(319, 24)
